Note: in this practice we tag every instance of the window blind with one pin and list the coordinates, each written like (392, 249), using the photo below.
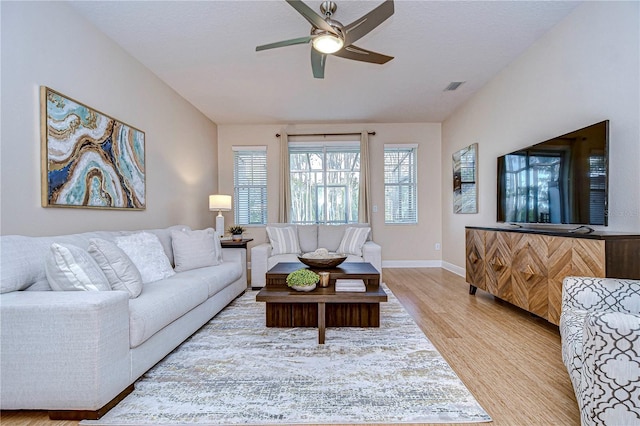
(250, 185)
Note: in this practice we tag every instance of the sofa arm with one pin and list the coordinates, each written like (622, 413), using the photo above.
(259, 264)
(601, 294)
(237, 255)
(372, 253)
(63, 350)
(611, 369)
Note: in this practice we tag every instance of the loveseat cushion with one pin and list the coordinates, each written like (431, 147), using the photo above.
(283, 240)
(71, 268)
(353, 240)
(308, 238)
(161, 303)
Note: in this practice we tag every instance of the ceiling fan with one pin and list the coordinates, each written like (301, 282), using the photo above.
(330, 37)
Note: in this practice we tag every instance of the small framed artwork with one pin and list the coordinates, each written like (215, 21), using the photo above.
(89, 160)
(465, 180)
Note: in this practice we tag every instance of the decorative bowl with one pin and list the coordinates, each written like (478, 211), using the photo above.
(303, 287)
(330, 261)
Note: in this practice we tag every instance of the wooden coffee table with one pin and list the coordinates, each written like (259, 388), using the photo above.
(323, 307)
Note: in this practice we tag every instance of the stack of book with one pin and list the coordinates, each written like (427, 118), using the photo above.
(350, 285)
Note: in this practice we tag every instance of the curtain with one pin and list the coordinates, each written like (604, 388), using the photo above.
(364, 200)
(284, 206)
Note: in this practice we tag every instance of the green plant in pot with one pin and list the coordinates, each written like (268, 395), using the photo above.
(236, 232)
(303, 280)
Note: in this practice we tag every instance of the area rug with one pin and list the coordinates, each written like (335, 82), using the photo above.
(237, 371)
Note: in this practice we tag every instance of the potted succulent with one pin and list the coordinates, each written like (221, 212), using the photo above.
(303, 280)
(236, 232)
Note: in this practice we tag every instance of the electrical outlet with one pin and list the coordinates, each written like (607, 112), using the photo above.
(375, 208)
(437, 246)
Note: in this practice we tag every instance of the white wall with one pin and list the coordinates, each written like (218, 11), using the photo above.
(401, 244)
(585, 70)
(48, 43)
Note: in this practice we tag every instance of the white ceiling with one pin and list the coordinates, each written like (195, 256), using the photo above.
(205, 50)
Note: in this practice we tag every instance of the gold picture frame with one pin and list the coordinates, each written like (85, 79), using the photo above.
(89, 159)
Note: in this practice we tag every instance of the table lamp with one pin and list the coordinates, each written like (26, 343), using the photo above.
(221, 203)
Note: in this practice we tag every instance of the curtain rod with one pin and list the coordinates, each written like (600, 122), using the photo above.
(327, 134)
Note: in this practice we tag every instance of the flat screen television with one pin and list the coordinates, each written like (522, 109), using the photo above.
(560, 181)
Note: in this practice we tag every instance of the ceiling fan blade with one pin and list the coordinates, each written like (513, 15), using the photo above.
(317, 63)
(299, 40)
(358, 54)
(311, 16)
(361, 27)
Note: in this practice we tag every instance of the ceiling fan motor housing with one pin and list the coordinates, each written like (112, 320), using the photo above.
(328, 8)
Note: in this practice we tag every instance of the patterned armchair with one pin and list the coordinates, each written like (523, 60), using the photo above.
(600, 330)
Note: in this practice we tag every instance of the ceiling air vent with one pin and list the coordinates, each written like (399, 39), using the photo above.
(453, 86)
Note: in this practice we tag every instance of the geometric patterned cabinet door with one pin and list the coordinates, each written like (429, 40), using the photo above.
(475, 259)
(526, 267)
(529, 273)
(572, 257)
(499, 257)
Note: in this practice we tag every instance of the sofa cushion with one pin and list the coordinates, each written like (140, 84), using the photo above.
(216, 278)
(283, 239)
(194, 249)
(146, 252)
(308, 238)
(116, 266)
(71, 268)
(161, 303)
(353, 240)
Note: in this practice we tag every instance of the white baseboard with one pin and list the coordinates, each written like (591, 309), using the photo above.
(411, 263)
(454, 268)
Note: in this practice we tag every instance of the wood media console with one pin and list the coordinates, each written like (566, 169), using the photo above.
(525, 266)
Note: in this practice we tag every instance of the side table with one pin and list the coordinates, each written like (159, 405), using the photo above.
(238, 245)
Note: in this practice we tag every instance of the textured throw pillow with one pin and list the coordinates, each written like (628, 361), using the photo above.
(69, 267)
(194, 249)
(146, 252)
(116, 266)
(283, 240)
(353, 240)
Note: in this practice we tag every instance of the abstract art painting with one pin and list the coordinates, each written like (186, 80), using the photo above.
(465, 188)
(88, 158)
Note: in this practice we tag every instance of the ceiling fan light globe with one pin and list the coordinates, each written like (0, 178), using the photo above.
(327, 43)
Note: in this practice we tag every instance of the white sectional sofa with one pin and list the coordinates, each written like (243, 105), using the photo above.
(76, 353)
(600, 331)
(309, 239)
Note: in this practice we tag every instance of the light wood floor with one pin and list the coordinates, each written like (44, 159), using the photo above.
(509, 359)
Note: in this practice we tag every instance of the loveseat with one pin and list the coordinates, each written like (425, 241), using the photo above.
(77, 351)
(600, 331)
(287, 241)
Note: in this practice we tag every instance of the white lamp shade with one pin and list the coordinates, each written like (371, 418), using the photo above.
(220, 202)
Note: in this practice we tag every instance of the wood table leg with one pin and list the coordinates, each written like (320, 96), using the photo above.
(321, 322)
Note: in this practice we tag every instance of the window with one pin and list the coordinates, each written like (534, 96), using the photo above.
(597, 188)
(325, 180)
(250, 185)
(400, 184)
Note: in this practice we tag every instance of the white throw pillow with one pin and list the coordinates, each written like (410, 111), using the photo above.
(146, 252)
(283, 240)
(353, 240)
(69, 267)
(116, 266)
(195, 249)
